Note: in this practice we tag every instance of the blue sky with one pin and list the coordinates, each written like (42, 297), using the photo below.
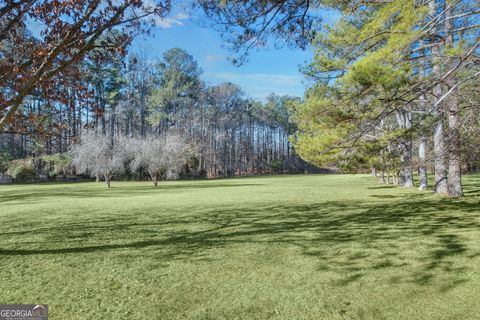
(266, 71)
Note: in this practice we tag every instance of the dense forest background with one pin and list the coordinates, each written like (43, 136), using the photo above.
(133, 96)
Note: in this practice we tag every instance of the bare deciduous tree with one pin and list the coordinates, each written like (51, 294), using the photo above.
(95, 155)
(161, 156)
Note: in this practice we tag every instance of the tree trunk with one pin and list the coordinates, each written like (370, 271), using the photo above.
(438, 136)
(154, 180)
(422, 145)
(439, 155)
(404, 119)
(112, 126)
(422, 169)
(395, 177)
(407, 167)
(455, 188)
(422, 152)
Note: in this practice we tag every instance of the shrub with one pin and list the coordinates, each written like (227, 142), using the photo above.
(57, 163)
(22, 170)
(276, 165)
(5, 159)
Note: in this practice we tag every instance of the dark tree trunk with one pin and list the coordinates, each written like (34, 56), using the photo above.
(154, 179)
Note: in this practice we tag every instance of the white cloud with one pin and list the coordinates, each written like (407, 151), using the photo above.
(169, 22)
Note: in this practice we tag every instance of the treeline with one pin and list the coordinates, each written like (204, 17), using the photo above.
(394, 83)
(396, 89)
(132, 96)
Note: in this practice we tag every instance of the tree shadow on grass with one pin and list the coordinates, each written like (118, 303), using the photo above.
(384, 186)
(430, 242)
(100, 191)
(471, 184)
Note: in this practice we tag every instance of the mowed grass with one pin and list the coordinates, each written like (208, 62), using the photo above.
(285, 247)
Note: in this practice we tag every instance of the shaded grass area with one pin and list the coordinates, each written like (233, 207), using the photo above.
(287, 247)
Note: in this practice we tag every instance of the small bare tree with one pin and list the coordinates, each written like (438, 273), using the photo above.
(96, 155)
(162, 156)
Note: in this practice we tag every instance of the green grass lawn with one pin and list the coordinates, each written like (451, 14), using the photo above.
(285, 247)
